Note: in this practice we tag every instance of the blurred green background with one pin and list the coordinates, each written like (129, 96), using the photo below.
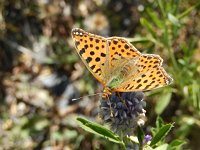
(40, 71)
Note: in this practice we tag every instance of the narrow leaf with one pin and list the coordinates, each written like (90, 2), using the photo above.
(159, 122)
(144, 39)
(161, 5)
(148, 26)
(98, 130)
(163, 131)
(176, 144)
(140, 134)
(155, 18)
(188, 11)
(138, 39)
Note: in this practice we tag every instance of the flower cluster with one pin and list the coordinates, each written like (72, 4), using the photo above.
(123, 112)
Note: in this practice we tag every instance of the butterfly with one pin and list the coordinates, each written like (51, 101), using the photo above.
(118, 65)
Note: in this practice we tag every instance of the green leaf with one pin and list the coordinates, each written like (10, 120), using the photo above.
(163, 131)
(148, 26)
(140, 135)
(159, 122)
(98, 130)
(195, 94)
(175, 145)
(155, 18)
(161, 147)
(144, 39)
(182, 61)
(163, 102)
(173, 20)
(188, 11)
(138, 39)
(161, 5)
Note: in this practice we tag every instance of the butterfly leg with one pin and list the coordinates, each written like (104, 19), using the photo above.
(111, 112)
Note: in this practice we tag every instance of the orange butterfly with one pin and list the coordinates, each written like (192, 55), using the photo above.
(118, 65)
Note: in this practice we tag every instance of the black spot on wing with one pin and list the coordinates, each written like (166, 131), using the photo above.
(82, 51)
(139, 80)
(97, 70)
(92, 53)
(93, 66)
(131, 87)
(147, 86)
(126, 46)
(97, 40)
(86, 46)
(103, 55)
(89, 59)
(145, 81)
(97, 59)
(138, 86)
(97, 47)
(156, 85)
(115, 42)
(132, 50)
(143, 75)
(149, 57)
(127, 86)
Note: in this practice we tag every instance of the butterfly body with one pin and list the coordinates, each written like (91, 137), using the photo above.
(118, 65)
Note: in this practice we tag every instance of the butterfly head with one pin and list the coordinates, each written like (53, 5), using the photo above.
(106, 92)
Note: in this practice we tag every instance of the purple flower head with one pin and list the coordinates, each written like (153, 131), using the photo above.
(147, 138)
(124, 112)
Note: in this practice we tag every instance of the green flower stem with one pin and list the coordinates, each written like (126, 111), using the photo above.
(123, 145)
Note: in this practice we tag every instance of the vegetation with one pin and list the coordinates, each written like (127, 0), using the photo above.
(40, 74)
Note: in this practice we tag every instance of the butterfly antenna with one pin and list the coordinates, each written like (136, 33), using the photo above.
(74, 99)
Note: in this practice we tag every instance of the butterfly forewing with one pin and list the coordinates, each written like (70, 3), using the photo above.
(92, 50)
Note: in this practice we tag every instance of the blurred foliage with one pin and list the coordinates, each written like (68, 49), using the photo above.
(40, 71)
(157, 142)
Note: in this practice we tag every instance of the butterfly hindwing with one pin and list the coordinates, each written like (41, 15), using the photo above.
(120, 49)
(149, 75)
